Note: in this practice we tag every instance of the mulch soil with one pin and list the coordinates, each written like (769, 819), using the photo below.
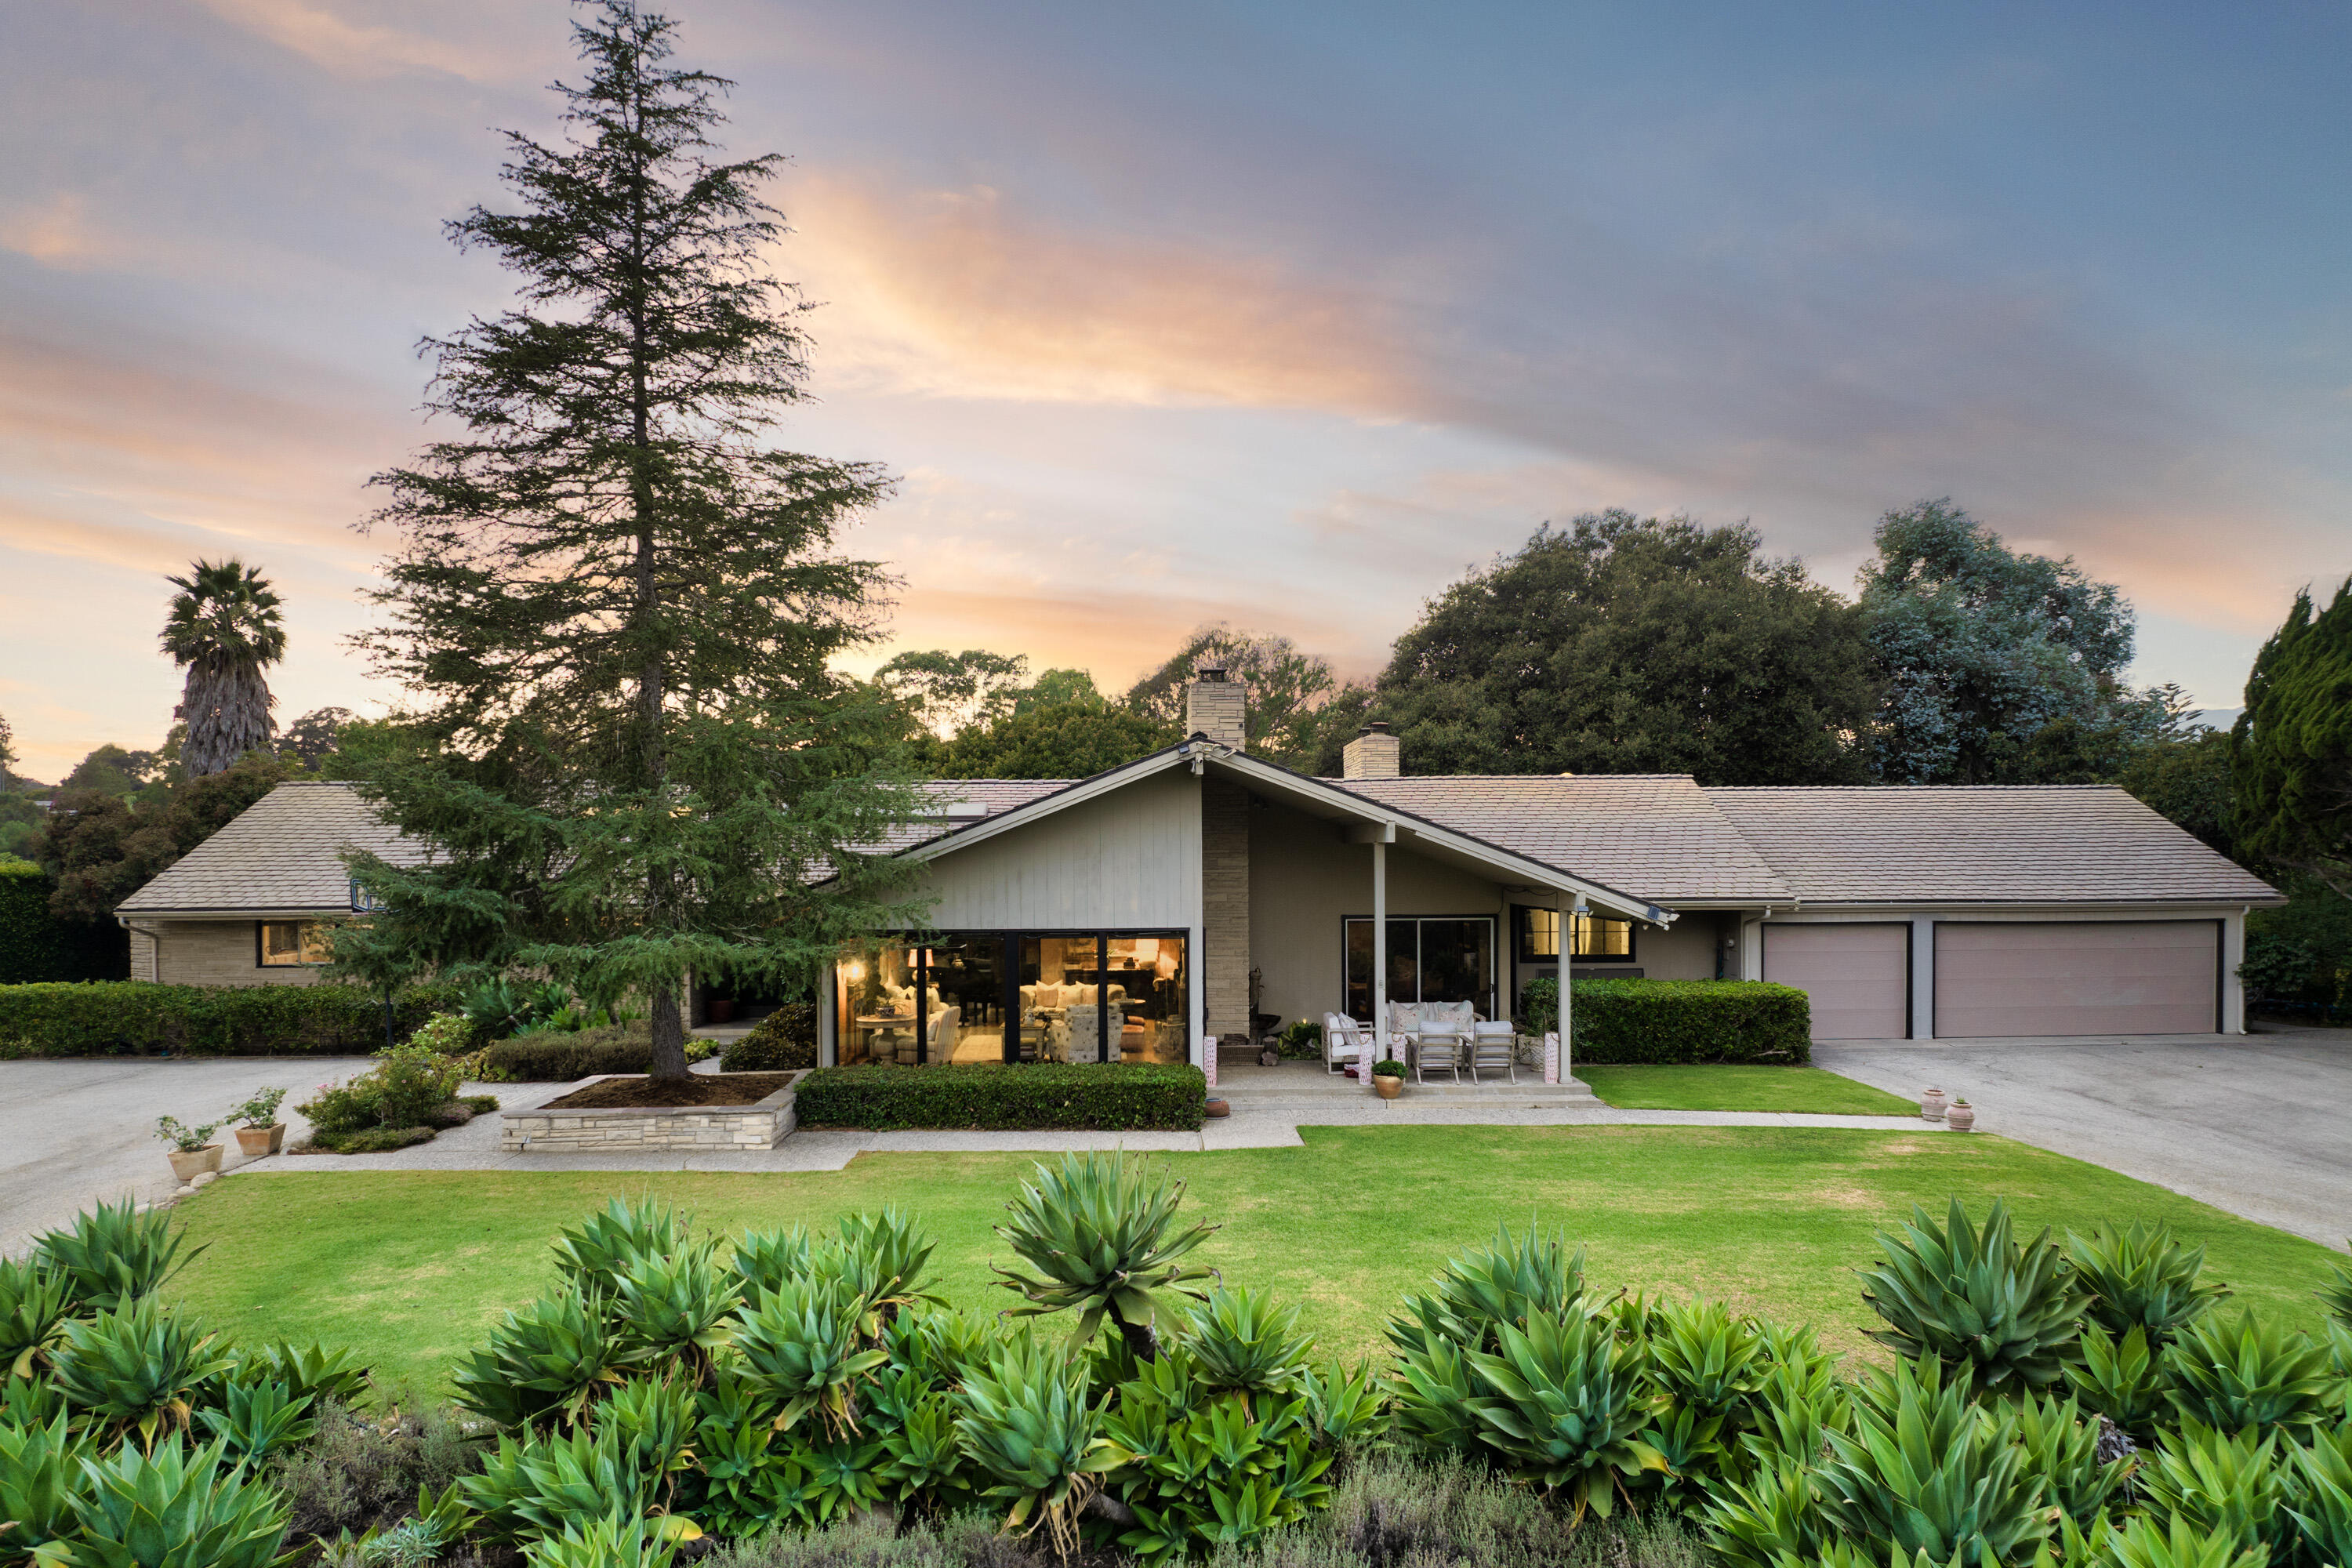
(696, 1088)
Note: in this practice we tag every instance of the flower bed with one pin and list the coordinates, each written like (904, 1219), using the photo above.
(549, 1126)
(1116, 1097)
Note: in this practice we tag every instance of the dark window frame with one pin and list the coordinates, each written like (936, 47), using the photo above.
(1494, 955)
(1522, 930)
(919, 945)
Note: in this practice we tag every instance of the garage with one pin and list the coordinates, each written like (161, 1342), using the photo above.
(1999, 978)
(1857, 976)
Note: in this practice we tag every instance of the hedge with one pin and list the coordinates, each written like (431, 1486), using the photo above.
(36, 946)
(551, 1056)
(1115, 1097)
(783, 1041)
(1682, 1021)
(134, 1017)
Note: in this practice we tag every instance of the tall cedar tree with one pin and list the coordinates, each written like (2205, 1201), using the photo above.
(2291, 750)
(615, 604)
(1633, 645)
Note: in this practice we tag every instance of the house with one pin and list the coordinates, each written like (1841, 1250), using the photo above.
(1132, 915)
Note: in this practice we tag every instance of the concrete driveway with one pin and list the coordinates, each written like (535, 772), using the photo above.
(2256, 1124)
(75, 1133)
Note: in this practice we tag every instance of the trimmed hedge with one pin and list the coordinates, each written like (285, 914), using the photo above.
(36, 947)
(135, 1017)
(560, 1059)
(783, 1041)
(1114, 1096)
(1678, 1021)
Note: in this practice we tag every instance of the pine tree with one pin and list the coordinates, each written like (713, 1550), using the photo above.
(224, 628)
(2291, 750)
(615, 602)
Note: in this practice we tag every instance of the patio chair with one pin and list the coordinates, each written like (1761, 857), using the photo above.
(1439, 1051)
(1493, 1046)
(1346, 1041)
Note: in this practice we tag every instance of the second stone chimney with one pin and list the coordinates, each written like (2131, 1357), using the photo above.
(1217, 708)
(1372, 755)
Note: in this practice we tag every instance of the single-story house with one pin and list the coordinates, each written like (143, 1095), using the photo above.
(1150, 911)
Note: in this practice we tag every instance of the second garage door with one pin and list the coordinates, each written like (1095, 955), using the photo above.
(1858, 977)
(2088, 977)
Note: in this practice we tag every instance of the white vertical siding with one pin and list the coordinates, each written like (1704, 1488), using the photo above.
(1128, 860)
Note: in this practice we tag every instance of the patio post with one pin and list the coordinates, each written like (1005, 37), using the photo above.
(1380, 958)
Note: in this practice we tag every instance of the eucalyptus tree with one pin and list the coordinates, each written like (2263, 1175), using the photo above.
(615, 601)
(225, 626)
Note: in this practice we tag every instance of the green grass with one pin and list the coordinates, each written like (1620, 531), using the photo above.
(1643, 1088)
(411, 1267)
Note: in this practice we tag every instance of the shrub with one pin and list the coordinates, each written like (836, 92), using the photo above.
(1681, 1021)
(177, 1506)
(373, 1140)
(399, 1101)
(446, 1033)
(111, 1255)
(2005, 1313)
(1110, 1098)
(365, 1472)
(1388, 1067)
(260, 1111)
(1302, 1041)
(37, 947)
(135, 1018)
(1100, 1231)
(783, 1041)
(2141, 1278)
(562, 1058)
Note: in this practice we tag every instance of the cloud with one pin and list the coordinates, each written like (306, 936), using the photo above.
(56, 233)
(323, 35)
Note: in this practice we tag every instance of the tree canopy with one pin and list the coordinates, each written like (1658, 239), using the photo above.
(616, 601)
(223, 627)
(2291, 748)
(944, 692)
(102, 846)
(1634, 645)
(1058, 740)
(1288, 688)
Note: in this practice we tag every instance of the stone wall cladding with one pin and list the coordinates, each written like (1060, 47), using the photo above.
(709, 1129)
(216, 953)
(1225, 905)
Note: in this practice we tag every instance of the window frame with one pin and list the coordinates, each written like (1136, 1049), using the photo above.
(1494, 955)
(261, 959)
(1523, 931)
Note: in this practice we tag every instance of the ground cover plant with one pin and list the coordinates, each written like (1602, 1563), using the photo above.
(1799, 1088)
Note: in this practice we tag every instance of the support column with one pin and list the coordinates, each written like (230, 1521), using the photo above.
(1226, 918)
(1380, 958)
(1559, 1051)
(828, 988)
(1923, 977)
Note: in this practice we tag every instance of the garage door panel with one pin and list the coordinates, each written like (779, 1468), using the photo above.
(1856, 978)
(2090, 977)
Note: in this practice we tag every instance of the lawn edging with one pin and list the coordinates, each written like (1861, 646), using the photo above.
(1112, 1097)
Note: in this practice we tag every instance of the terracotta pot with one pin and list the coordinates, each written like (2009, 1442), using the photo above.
(1217, 1108)
(255, 1142)
(1386, 1086)
(719, 1010)
(1961, 1116)
(1932, 1103)
(189, 1164)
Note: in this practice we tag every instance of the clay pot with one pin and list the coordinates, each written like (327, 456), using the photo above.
(1386, 1086)
(1932, 1103)
(1961, 1116)
(189, 1164)
(719, 1010)
(1217, 1108)
(257, 1142)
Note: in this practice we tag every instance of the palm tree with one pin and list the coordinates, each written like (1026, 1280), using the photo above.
(224, 628)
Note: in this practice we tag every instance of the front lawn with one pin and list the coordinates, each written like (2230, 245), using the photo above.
(411, 1267)
(1647, 1088)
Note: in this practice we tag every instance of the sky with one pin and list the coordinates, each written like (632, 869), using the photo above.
(1280, 314)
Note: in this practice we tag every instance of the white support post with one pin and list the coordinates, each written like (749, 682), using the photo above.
(1380, 958)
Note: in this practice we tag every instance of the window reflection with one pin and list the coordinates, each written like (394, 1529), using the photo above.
(985, 998)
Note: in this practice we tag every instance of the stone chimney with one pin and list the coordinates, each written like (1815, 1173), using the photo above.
(1217, 708)
(1372, 755)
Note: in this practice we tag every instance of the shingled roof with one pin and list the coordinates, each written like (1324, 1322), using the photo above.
(283, 853)
(2058, 844)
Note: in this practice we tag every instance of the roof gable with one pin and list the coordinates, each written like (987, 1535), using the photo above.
(284, 852)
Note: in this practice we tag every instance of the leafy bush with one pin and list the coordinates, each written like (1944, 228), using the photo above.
(1114, 1096)
(134, 1017)
(368, 1471)
(502, 1006)
(783, 1041)
(185, 1139)
(1100, 1231)
(2005, 1313)
(1675, 1020)
(373, 1140)
(36, 947)
(1301, 1041)
(110, 1255)
(260, 1110)
(445, 1034)
(562, 1058)
(401, 1100)
(1388, 1067)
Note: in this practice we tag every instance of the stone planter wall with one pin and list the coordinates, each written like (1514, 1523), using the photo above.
(627, 1129)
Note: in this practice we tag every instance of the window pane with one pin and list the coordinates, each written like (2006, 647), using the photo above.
(1457, 962)
(966, 1002)
(317, 943)
(1597, 936)
(876, 1008)
(281, 944)
(1539, 935)
(1061, 1000)
(1150, 1021)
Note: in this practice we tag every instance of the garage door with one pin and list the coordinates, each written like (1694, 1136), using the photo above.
(2117, 977)
(1857, 976)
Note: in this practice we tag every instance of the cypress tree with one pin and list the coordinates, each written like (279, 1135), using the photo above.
(615, 601)
(2291, 750)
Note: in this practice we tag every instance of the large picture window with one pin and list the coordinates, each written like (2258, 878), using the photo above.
(1441, 958)
(1599, 938)
(991, 996)
(295, 944)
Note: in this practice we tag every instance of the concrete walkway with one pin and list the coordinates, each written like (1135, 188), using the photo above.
(2252, 1123)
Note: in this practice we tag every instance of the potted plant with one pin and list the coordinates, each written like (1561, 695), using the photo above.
(193, 1151)
(1932, 1103)
(259, 1132)
(1388, 1079)
(1961, 1116)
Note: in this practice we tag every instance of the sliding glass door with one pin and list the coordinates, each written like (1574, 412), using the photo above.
(1439, 958)
(1010, 996)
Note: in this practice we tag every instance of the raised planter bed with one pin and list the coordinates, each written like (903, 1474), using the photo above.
(548, 1127)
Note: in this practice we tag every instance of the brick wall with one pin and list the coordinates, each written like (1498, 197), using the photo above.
(216, 953)
(1225, 905)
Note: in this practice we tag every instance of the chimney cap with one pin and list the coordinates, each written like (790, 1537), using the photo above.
(1377, 727)
(1210, 672)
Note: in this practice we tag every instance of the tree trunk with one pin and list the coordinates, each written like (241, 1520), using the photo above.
(1141, 1338)
(669, 1034)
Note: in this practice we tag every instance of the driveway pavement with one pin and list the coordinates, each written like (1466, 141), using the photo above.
(74, 1132)
(2256, 1124)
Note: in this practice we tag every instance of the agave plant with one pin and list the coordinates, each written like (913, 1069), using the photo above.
(892, 1255)
(2337, 1295)
(2319, 1498)
(2228, 1487)
(255, 1420)
(42, 1487)
(1706, 1359)
(940, 1344)
(2122, 1380)
(1513, 1281)
(2142, 1543)
(1434, 1385)
(1561, 1406)
(1100, 1233)
(2063, 1446)
(770, 1259)
(2244, 1373)
(176, 1505)
(308, 1372)
(657, 1417)
(539, 1486)
(1347, 1407)
(2006, 1313)
(799, 1348)
(1241, 1343)
(606, 1544)
(35, 1298)
(1793, 1416)
(674, 1308)
(138, 1368)
(552, 1358)
(594, 1253)
(1925, 1470)
(110, 1255)
(1771, 1521)
(2141, 1279)
(1025, 1422)
(922, 1457)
